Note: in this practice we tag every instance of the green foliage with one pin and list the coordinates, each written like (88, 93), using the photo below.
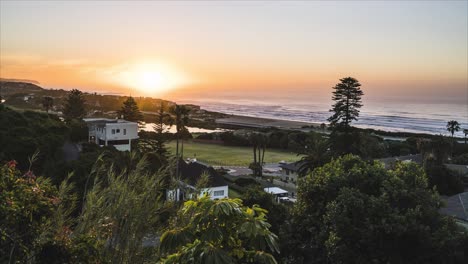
(122, 208)
(74, 106)
(130, 111)
(24, 133)
(78, 130)
(35, 220)
(26, 203)
(447, 182)
(358, 143)
(316, 153)
(277, 213)
(347, 97)
(460, 159)
(351, 209)
(221, 231)
(438, 149)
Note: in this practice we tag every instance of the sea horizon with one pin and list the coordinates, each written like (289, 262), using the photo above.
(393, 114)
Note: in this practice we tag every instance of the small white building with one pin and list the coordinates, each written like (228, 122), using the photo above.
(112, 132)
(277, 192)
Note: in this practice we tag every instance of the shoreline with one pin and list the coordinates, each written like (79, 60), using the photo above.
(240, 121)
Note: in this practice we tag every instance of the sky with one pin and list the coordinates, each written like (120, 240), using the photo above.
(395, 49)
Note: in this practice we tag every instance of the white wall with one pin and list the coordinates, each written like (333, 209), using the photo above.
(131, 133)
(215, 190)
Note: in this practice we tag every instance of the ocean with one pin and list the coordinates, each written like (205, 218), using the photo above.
(388, 114)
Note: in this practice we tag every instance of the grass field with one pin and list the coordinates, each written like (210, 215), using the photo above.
(229, 156)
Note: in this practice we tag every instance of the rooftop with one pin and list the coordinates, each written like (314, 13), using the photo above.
(99, 121)
(191, 172)
(457, 206)
(294, 166)
(275, 190)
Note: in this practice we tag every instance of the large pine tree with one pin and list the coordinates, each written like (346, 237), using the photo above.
(74, 107)
(347, 97)
(130, 111)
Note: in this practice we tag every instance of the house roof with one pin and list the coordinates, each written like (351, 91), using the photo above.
(293, 166)
(462, 169)
(390, 162)
(103, 121)
(191, 172)
(456, 206)
(275, 190)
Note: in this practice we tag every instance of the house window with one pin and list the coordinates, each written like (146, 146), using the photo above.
(125, 131)
(218, 193)
(118, 142)
(113, 131)
(118, 130)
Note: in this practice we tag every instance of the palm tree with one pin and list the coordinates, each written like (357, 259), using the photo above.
(316, 153)
(47, 103)
(181, 118)
(452, 127)
(180, 113)
(259, 142)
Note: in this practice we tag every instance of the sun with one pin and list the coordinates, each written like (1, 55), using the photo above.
(152, 78)
(149, 80)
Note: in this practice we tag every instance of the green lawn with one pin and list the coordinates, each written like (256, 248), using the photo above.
(229, 156)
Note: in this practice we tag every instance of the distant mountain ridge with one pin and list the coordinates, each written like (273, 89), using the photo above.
(19, 80)
(9, 87)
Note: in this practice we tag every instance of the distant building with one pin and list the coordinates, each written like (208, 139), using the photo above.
(290, 171)
(389, 163)
(190, 173)
(112, 132)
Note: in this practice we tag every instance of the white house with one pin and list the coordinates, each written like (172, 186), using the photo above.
(112, 132)
(190, 174)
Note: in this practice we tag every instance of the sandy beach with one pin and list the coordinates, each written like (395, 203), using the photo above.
(258, 122)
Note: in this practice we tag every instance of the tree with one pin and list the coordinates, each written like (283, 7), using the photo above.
(315, 154)
(36, 220)
(130, 111)
(47, 103)
(180, 114)
(219, 231)
(74, 107)
(347, 97)
(355, 210)
(452, 127)
(259, 142)
(155, 142)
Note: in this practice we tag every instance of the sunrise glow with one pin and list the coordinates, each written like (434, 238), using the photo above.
(149, 78)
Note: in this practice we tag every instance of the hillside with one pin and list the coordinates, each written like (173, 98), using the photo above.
(12, 87)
